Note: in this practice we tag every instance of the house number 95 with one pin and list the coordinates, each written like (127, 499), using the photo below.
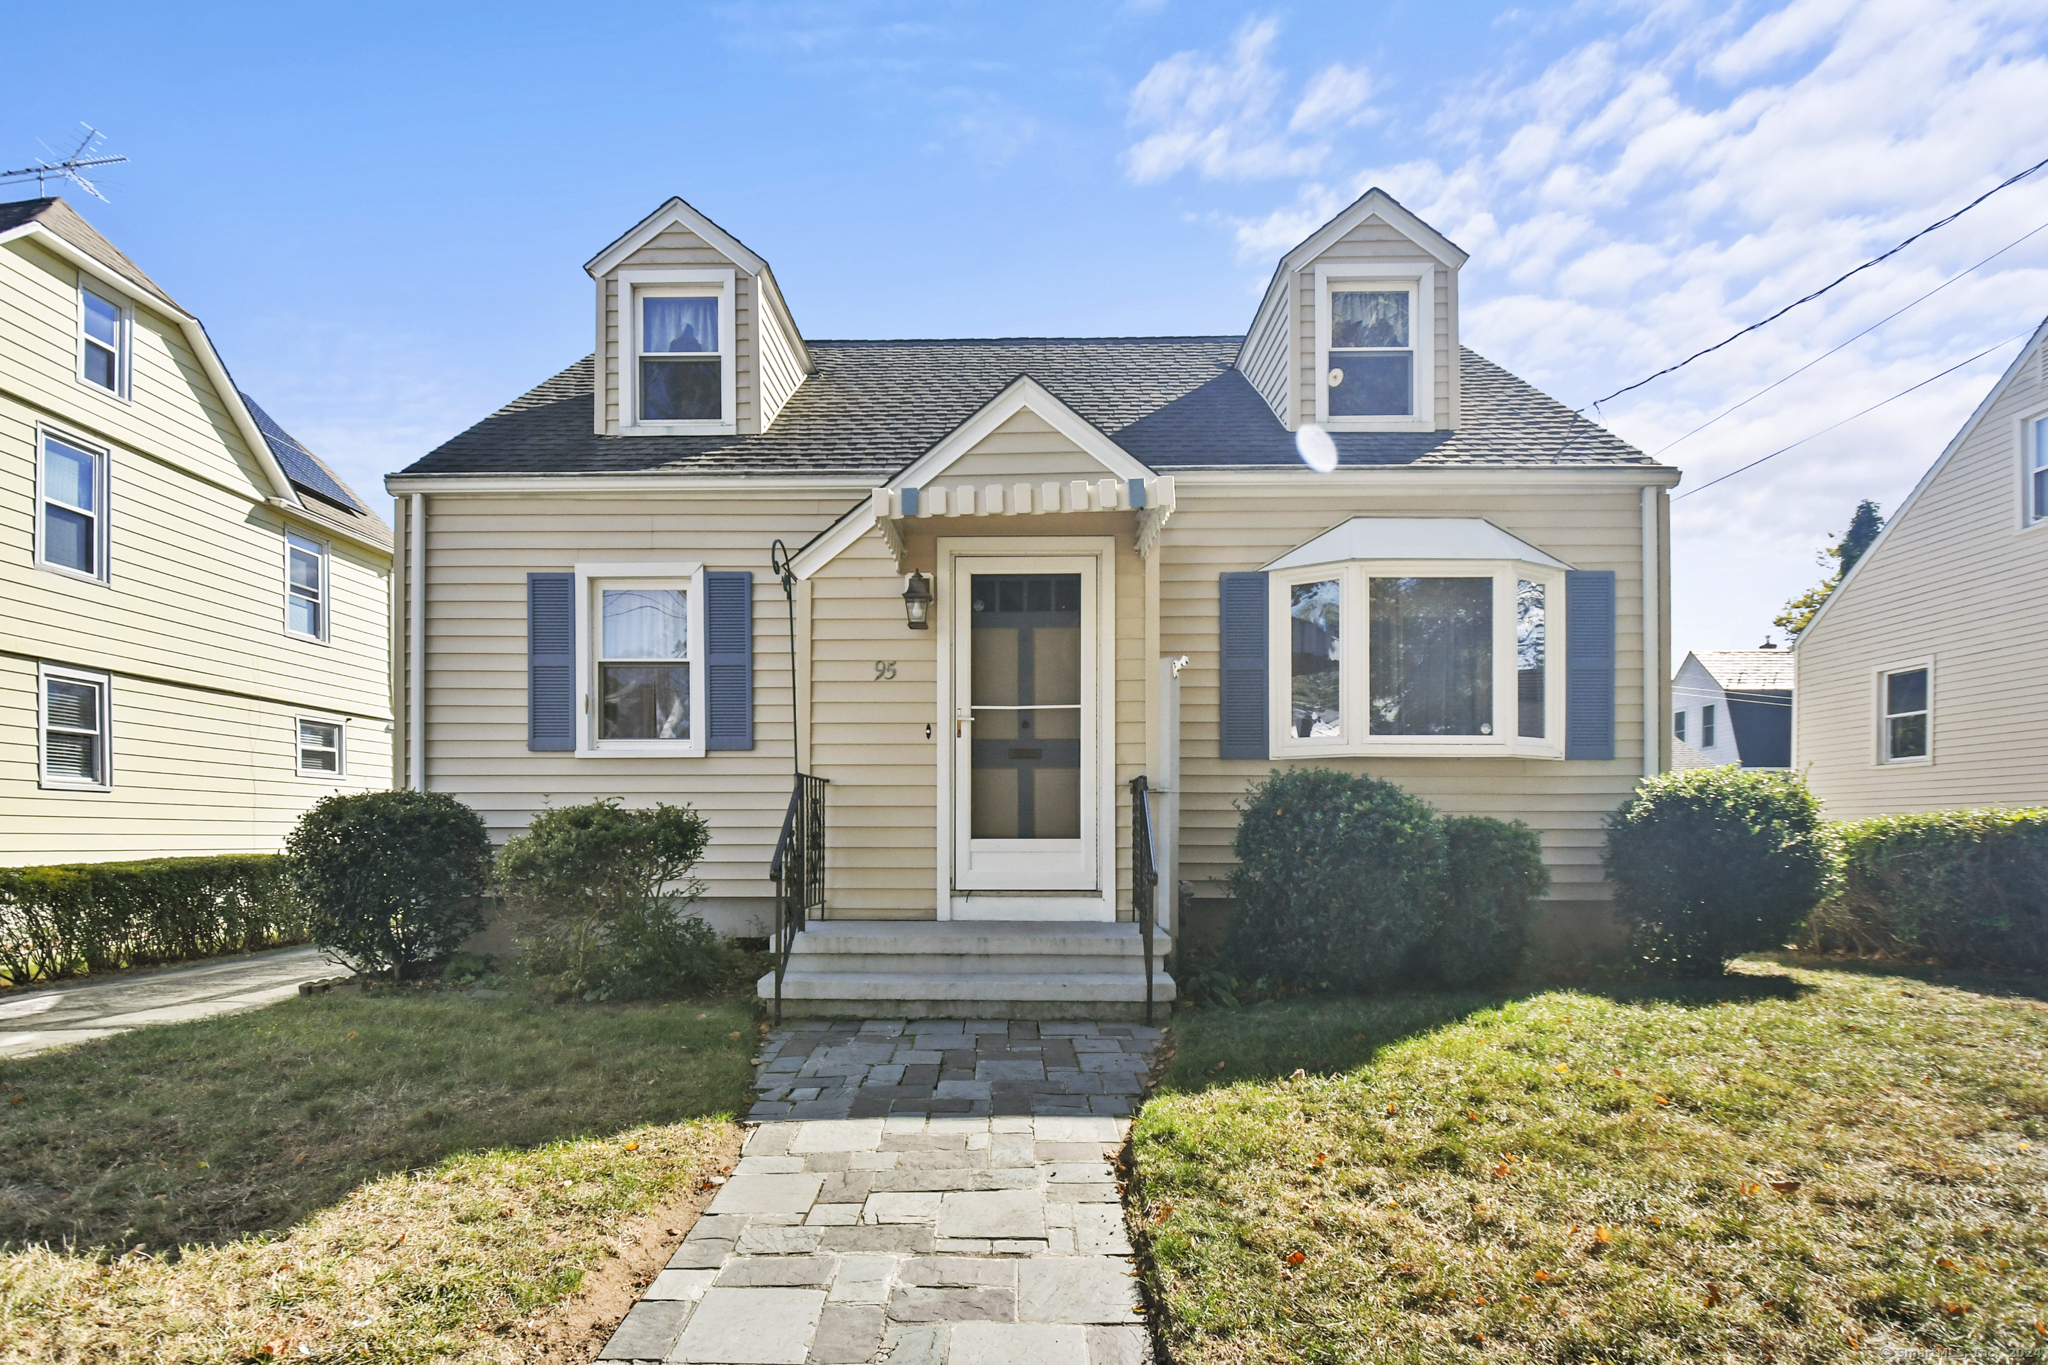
(885, 670)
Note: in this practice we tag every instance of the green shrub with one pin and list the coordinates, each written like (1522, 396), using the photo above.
(1966, 888)
(602, 896)
(390, 880)
(1711, 863)
(1337, 880)
(1494, 878)
(58, 921)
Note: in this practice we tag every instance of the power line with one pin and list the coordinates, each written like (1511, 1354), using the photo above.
(1809, 298)
(1850, 342)
(1852, 416)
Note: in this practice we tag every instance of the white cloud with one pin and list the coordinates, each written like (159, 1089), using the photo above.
(1652, 190)
(1220, 116)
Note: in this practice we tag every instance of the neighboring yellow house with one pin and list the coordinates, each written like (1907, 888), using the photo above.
(1124, 569)
(195, 643)
(1919, 676)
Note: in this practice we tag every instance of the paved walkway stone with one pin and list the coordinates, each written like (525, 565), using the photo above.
(35, 1020)
(923, 1192)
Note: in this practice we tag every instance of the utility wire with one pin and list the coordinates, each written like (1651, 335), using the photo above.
(1850, 342)
(1852, 416)
(1809, 298)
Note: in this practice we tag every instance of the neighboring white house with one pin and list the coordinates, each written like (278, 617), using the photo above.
(195, 643)
(1733, 706)
(1920, 678)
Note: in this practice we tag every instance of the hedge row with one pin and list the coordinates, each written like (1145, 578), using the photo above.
(88, 917)
(1964, 888)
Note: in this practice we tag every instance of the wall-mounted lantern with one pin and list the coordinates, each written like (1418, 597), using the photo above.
(917, 601)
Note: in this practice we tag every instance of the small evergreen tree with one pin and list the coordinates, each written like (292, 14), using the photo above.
(1864, 524)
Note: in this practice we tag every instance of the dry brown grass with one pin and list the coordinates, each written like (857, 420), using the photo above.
(1809, 1165)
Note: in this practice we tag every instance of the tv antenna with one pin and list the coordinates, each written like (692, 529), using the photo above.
(83, 158)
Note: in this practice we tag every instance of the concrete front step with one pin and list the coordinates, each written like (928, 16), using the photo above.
(985, 969)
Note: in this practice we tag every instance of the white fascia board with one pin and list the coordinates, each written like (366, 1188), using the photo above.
(326, 526)
(840, 536)
(675, 212)
(1948, 452)
(195, 337)
(1378, 203)
(604, 485)
(1411, 538)
(1461, 478)
(1023, 392)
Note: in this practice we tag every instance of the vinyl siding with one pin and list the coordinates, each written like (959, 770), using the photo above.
(780, 370)
(1221, 529)
(1374, 240)
(191, 618)
(1957, 582)
(479, 552)
(1024, 449)
(1264, 361)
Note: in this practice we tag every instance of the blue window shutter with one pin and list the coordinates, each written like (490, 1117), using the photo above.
(550, 661)
(1589, 664)
(729, 660)
(1244, 647)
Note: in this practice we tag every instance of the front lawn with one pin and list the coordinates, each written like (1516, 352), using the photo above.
(1794, 1164)
(399, 1175)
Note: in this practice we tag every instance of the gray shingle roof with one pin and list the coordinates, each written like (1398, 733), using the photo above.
(872, 407)
(1749, 669)
(60, 218)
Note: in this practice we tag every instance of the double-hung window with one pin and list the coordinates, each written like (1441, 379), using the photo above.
(103, 341)
(1707, 726)
(322, 747)
(1376, 346)
(76, 736)
(305, 587)
(679, 326)
(1904, 699)
(643, 688)
(1678, 726)
(71, 519)
(1448, 657)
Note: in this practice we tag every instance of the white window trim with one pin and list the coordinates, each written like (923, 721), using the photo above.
(124, 353)
(590, 578)
(1356, 664)
(630, 283)
(44, 778)
(1878, 757)
(1417, 276)
(104, 477)
(2025, 437)
(340, 725)
(326, 588)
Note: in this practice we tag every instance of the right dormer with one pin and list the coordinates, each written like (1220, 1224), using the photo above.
(1358, 330)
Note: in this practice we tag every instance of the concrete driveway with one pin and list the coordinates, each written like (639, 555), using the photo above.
(33, 1020)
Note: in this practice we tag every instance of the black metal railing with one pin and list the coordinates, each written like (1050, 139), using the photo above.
(798, 871)
(1144, 875)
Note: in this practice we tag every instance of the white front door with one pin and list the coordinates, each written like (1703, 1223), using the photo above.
(1028, 749)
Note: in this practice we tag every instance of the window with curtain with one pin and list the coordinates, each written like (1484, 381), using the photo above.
(305, 589)
(1371, 360)
(1317, 695)
(73, 489)
(643, 664)
(1432, 656)
(1530, 650)
(682, 375)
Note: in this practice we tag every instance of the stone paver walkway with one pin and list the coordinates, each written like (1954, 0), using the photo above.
(33, 1021)
(977, 1226)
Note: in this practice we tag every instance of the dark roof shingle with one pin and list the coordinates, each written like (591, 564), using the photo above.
(872, 407)
(60, 218)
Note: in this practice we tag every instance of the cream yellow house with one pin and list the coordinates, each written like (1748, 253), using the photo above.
(1918, 674)
(195, 639)
(1021, 573)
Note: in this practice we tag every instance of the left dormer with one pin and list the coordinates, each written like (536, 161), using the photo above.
(693, 335)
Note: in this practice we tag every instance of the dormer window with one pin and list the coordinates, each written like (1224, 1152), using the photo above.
(681, 331)
(1376, 346)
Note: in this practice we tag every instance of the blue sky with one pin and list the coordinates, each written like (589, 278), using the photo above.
(381, 211)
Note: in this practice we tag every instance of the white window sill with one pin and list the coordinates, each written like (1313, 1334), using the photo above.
(651, 749)
(679, 429)
(125, 400)
(1479, 746)
(72, 574)
(1903, 763)
(57, 785)
(1378, 423)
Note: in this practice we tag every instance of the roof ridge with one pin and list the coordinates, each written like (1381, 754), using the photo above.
(1013, 340)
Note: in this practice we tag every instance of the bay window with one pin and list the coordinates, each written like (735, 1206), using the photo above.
(1454, 656)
